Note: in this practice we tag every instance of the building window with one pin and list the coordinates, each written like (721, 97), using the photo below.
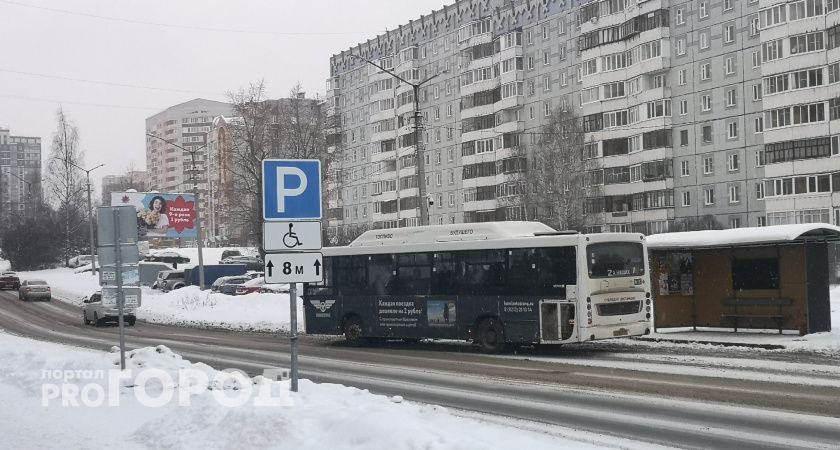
(731, 97)
(705, 71)
(756, 88)
(727, 5)
(759, 191)
(759, 124)
(680, 17)
(683, 138)
(707, 133)
(733, 163)
(729, 65)
(684, 169)
(704, 39)
(734, 222)
(709, 196)
(804, 43)
(683, 107)
(706, 102)
(732, 130)
(686, 198)
(681, 46)
(704, 11)
(734, 193)
(708, 165)
(681, 77)
(729, 33)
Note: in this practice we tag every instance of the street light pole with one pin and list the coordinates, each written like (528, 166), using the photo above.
(420, 161)
(197, 212)
(90, 216)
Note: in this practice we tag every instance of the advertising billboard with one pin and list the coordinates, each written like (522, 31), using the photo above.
(160, 215)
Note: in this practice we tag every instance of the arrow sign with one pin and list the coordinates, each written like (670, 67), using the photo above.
(302, 267)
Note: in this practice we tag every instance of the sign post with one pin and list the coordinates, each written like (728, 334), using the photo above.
(117, 229)
(292, 229)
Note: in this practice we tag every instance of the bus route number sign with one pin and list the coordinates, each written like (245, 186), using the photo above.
(304, 267)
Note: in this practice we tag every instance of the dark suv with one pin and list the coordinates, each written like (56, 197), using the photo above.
(9, 280)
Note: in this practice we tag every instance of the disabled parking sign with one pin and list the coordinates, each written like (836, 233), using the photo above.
(291, 189)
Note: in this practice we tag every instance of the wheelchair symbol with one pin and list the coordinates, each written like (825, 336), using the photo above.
(290, 239)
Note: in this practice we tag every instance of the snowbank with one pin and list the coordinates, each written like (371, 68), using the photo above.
(192, 307)
(318, 416)
(212, 255)
(5, 265)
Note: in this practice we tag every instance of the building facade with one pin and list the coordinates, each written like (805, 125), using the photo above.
(680, 104)
(20, 175)
(170, 168)
(133, 179)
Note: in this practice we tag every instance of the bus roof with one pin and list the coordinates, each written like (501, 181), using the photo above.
(468, 236)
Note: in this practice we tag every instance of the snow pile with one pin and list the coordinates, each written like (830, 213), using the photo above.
(66, 284)
(192, 307)
(212, 255)
(318, 416)
(5, 265)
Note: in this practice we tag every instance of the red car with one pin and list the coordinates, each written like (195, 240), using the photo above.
(9, 280)
(250, 286)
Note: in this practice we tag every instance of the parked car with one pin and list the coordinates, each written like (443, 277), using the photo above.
(9, 280)
(168, 280)
(274, 288)
(94, 312)
(250, 286)
(34, 290)
(227, 285)
(171, 258)
(229, 253)
(78, 261)
(251, 262)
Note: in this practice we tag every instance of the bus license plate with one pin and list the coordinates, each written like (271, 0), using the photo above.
(621, 332)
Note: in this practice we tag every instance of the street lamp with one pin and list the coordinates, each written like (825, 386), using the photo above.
(421, 162)
(197, 212)
(90, 216)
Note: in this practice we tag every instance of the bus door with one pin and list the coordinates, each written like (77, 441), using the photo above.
(557, 317)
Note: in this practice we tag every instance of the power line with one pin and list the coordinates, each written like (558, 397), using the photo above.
(104, 83)
(50, 100)
(187, 27)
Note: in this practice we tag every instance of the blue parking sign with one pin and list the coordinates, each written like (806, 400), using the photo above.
(291, 189)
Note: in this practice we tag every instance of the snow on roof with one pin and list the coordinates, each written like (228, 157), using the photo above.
(743, 236)
(452, 232)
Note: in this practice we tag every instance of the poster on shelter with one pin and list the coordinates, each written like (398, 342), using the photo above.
(680, 274)
(160, 215)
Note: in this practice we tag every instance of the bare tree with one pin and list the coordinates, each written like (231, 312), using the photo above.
(132, 178)
(66, 185)
(555, 188)
(261, 129)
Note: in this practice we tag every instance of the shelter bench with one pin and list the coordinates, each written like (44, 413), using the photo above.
(777, 303)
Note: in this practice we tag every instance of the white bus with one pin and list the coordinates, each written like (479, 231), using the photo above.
(493, 283)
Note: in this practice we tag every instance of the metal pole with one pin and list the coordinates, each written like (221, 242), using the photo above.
(90, 223)
(421, 162)
(120, 297)
(293, 335)
(198, 226)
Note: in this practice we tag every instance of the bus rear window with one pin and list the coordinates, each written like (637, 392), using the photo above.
(615, 259)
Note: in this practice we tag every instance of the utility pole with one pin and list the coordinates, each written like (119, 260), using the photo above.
(90, 216)
(199, 239)
(420, 161)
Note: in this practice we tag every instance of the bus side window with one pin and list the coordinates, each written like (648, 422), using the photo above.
(350, 276)
(380, 279)
(484, 272)
(444, 279)
(556, 267)
(521, 271)
(414, 273)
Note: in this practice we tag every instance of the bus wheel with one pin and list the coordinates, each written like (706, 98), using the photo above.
(353, 330)
(490, 336)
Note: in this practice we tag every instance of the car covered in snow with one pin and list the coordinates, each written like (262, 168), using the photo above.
(168, 280)
(228, 285)
(94, 312)
(34, 290)
(9, 280)
(251, 262)
(78, 261)
(251, 286)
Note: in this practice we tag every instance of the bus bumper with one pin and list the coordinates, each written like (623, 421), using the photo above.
(615, 331)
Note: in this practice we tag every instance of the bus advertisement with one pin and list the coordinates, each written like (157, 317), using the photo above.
(493, 283)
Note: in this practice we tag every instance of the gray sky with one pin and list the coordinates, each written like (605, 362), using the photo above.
(112, 63)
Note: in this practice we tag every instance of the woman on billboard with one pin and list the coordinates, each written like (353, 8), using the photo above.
(154, 219)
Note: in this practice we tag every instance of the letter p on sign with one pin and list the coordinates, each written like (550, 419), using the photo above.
(291, 189)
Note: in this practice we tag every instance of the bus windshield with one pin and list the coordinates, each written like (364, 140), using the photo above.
(615, 259)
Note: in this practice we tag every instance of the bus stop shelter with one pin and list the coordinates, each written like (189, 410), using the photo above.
(774, 277)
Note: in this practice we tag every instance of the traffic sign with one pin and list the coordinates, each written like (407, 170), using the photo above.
(108, 276)
(105, 224)
(294, 267)
(291, 236)
(291, 189)
(131, 295)
(129, 255)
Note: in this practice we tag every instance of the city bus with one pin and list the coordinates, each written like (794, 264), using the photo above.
(492, 283)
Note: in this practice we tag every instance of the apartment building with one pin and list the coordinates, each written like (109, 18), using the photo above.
(801, 87)
(187, 124)
(670, 94)
(20, 175)
(133, 179)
